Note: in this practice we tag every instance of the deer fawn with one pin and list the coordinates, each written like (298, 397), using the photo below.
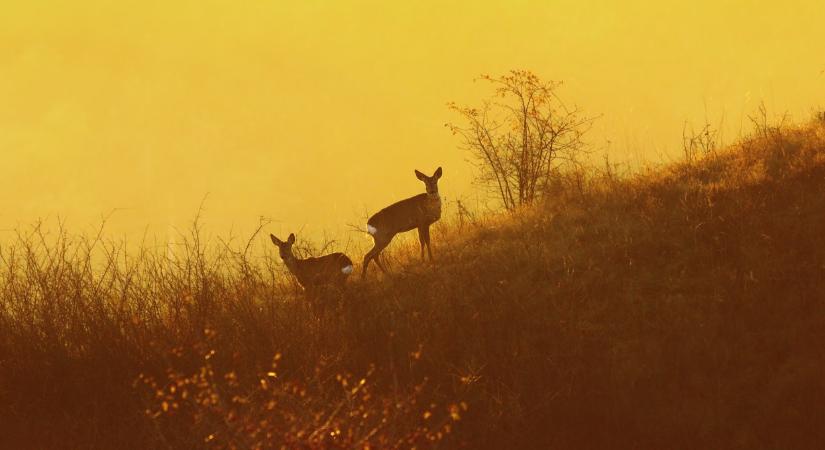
(314, 273)
(419, 212)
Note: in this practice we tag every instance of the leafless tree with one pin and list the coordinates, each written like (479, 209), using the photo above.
(520, 135)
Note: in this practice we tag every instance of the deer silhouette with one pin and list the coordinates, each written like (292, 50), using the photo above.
(314, 273)
(419, 211)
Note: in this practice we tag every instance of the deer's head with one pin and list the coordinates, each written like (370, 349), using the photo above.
(284, 248)
(430, 182)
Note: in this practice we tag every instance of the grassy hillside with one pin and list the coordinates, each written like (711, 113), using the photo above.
(680, 308)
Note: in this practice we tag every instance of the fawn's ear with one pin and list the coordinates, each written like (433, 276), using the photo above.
(275, 240)
(437, 173)
(291, 239)
(420, 176)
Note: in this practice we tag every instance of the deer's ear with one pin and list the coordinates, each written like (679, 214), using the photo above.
(437, 173)
(291, 239)
(420, 176)
(275, 240)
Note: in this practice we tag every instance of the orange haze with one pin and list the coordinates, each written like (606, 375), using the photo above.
(315, 112)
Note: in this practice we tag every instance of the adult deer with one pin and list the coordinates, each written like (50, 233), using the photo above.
(419, 211)
(314, 273)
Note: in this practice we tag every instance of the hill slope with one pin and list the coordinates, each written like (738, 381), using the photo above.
(684, 307)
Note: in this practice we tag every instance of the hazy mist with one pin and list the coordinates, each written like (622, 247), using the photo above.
(316, 113)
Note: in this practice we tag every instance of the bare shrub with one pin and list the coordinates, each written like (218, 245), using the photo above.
(699, 143)
(520, 135)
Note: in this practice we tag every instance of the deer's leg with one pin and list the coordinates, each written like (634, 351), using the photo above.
(423, 237)
(379, 259)
(426, 235)
(367, 259)
(373, 254)
(380, 245)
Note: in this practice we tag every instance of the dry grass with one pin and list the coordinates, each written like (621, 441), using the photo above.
(683, 307)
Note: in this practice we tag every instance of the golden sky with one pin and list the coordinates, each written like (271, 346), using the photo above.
(315, 113)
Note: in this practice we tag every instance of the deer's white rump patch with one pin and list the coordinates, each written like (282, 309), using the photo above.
(371, 229)
(347, 270)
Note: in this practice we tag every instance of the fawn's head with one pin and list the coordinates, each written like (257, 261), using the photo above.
(430, 182)
(284, 248)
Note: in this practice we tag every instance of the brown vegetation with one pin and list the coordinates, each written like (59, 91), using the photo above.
(680, 308)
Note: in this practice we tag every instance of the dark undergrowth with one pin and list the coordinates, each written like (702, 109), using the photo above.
(683, 307)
